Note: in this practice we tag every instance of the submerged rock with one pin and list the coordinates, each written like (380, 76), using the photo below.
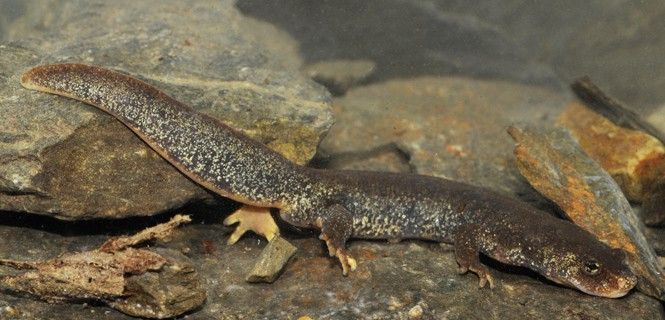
(175, 290)
(405, 39)
(447, 127)
(272, 261)
(153, 284)
(391, 280)
(340, 75)
(633, 158)
(556, 166)
(63, 158)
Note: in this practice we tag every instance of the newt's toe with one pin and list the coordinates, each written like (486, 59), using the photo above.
(348, 262)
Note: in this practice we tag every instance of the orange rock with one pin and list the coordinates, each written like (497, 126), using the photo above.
(633, 158)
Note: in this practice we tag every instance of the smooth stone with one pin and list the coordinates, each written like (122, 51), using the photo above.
(272, 261)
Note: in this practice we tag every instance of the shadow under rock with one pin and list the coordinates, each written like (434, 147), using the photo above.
(201, 213)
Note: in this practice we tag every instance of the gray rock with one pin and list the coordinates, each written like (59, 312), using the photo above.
(447, 127)
(63, 158)
(390, 281)
(272, 261)
(340, 75)
(618, 44)
(404, 38)
(174, 290)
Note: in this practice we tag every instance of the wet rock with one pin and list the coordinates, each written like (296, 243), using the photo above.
(391, 280)
(404, 38)
(153, 284)
(597, 100)
(656, 237)
(653, 206)
(272, 261)
(340, 75)
(63, 158)
(175, 290)
(556, 166)
(633, 158)
(617, 44)
(435, 124)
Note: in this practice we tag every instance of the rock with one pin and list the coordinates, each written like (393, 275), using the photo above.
(435, 124)
(405, 275)
(175, 290)
(633, 158)
(600, 102)
(62, 158)
(653, 206)
(404, 38)
(340, 75)
(556, 166)
(272, 261)
(616, 44)
(153, 284)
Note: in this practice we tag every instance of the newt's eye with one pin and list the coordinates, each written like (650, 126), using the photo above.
(591, 267)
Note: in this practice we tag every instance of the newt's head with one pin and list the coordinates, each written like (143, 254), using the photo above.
(573, 257)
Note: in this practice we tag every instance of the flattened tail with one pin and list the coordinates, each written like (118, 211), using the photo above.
(102, 88)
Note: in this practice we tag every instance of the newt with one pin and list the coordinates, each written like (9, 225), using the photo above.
(344, 204)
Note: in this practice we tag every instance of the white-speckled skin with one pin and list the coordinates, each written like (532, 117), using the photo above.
(207, 150)
(345, 204)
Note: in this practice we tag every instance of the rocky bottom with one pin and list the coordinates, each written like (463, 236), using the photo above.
(408, 280)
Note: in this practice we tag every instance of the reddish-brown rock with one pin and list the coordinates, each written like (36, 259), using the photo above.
(633, 158)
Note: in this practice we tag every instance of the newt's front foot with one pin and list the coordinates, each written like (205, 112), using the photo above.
(484, 274)
(336, 227)
(254, 219)
(467, 254)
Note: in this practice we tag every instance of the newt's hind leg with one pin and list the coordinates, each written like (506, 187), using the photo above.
(467, 253)
(250, 218)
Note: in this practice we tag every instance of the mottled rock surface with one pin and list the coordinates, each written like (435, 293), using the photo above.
(447, 127)
(404, 38)
(390, 281)
(557, 166)
(63, 158)
(633, 158)
(617, 43)
(272, 261)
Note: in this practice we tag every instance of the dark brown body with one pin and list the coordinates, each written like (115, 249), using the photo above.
(344, 204)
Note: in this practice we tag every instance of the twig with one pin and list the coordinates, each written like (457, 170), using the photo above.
(598, 101)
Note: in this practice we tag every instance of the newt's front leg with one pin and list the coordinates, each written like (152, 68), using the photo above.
(467, 253)
(335, 223)
(250, 218)
(336, 227)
